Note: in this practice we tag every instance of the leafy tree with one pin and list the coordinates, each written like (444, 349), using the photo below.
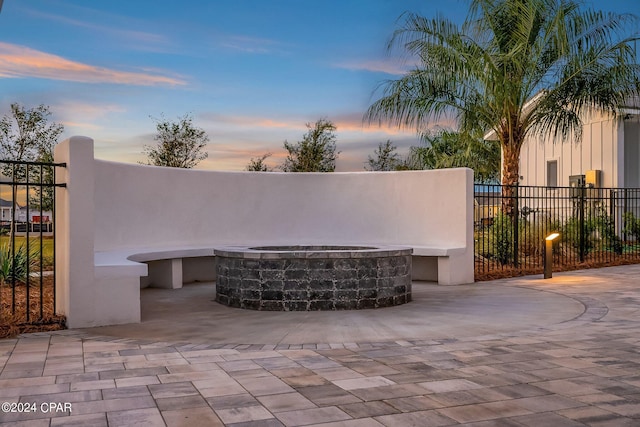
(43, 199)
(257, 164)
(179, 144)
(447, 149)
(27, 136)
(385, 158)
(316, 152)
(516, 67)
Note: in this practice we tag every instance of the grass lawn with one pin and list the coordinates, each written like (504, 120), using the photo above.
(34, 247)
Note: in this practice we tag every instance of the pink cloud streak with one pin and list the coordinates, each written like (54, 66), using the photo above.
(20, 61)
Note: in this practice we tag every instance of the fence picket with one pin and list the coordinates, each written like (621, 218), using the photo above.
(27, 273)
(597, 226)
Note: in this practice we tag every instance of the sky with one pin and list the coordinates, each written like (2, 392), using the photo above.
(251, 73)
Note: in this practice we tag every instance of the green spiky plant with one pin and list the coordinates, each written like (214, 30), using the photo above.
(15, 265)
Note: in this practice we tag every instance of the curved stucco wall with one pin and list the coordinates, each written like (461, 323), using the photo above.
(109, 211)
(145, 206)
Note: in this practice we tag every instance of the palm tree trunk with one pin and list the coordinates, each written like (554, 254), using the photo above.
(510, 178)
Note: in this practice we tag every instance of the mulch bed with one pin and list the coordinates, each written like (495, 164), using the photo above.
(14, 322)
(507, 271)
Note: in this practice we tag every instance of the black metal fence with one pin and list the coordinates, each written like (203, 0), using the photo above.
(597, 227)
(27, 241)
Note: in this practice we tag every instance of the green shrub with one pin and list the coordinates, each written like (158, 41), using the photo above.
(531, 235)
(571, 234)
(631, 225)
(16, 266)
(598, 232)
(501, 239)
(607, 228)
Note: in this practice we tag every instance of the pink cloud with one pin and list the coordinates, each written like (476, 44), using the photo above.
(348, 123)
(20, 61)
(90, 126)
(251, 122)
(354, 123)
(393, 67)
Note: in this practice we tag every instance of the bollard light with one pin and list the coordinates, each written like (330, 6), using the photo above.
(548, 254)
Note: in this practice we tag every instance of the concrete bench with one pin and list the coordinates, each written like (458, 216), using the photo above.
(158, 267)
(119, 275)
(438, 264)
(171, 267)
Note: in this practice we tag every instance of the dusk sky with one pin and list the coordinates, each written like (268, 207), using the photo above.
(250, 72)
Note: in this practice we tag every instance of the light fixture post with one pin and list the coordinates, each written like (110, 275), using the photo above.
(548, 254)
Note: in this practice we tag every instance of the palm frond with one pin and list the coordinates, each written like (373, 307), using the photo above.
(484, 72)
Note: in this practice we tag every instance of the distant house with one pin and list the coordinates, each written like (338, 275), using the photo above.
(6, 211)
(35, 216)
(486, 205)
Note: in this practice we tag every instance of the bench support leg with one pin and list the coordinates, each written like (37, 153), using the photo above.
(166, 273)
(446, 270)
(455, 270)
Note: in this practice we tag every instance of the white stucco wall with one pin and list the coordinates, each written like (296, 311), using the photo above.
(111, 206)
(144, 206)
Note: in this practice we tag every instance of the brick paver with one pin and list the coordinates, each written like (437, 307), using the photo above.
(584, 371)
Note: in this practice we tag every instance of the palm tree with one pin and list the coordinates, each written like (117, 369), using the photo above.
(447, 149)
(516, 68)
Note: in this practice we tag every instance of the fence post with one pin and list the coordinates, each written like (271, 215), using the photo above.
(624, 211)
(613, 214)
(581, 204)
(516, 214)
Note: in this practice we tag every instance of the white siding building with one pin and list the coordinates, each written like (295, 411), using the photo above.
(6, 210)
(608, 155)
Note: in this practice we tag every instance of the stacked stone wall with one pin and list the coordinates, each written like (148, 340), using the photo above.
(303, 280)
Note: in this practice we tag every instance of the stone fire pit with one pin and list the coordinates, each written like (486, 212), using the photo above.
(303, 278)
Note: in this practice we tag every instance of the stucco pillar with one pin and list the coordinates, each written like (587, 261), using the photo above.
(75, 295)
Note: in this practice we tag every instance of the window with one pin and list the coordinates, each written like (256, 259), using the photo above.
(552, 173)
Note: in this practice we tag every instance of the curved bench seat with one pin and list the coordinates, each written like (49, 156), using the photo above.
(170, 267)
(437, 250)
(162, 266)
(156, 254)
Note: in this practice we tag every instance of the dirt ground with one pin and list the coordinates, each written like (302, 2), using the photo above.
(14, 322)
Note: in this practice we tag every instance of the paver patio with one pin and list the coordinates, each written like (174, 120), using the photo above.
(512, 352)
